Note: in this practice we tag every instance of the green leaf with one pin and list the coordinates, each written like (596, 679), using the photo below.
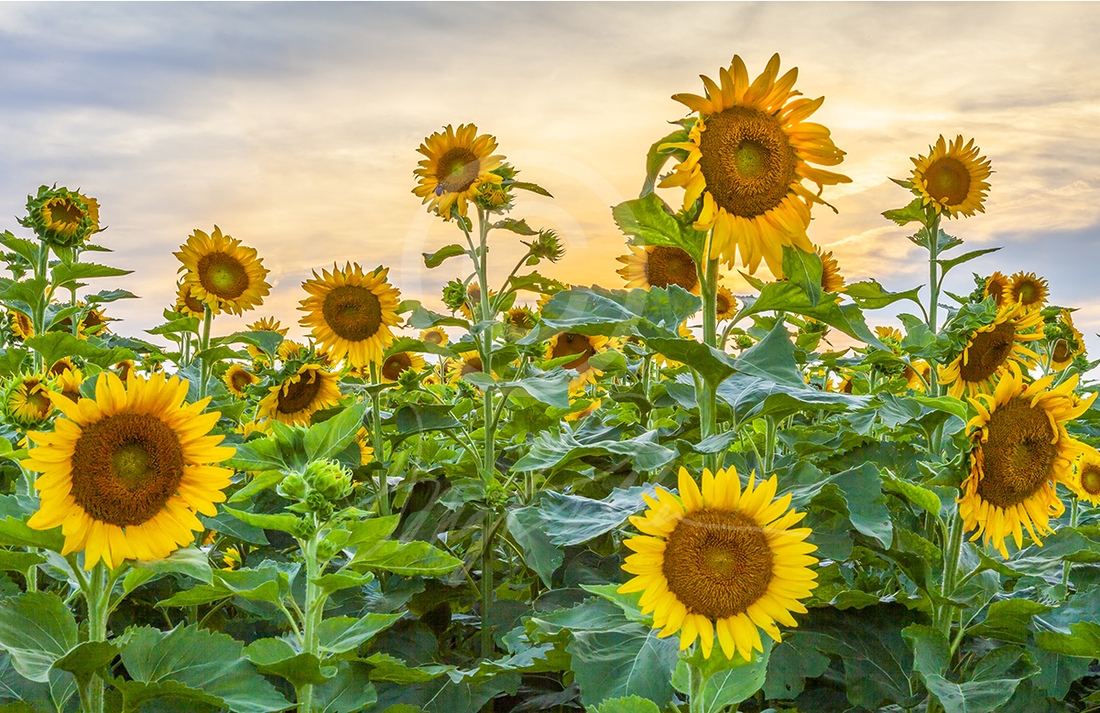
(65, 273)
(931, 650)
(1057, 672)
(278, 658)
(753, 397)
(326, 439)
(407, 558)
(710, 363)
(599, 311)
(265, 340)
(19, 561)
(629, 704)
(136, 694)
(656, 157)
(549, 450)
(628, 660)
(803, 269)
(406, 344)
(420, 418)
(916, 494)
(371, 530)
(539, 553)
(105, 296)
(88, 658)
(869, 294)
(340, 634)
(436, 259)
(351, 690)
(792, 663)
(259, 454)
(226, 524)
(1083, 640)
(572, 519)
(966, 257)
(991, 685)
(786, 296)
(532, 187)
(650, 221)
(190, 561)
(26, 249)
(266, 583)
(423, 319)
(54, 345)
(338, 581)
(551, 389)
(201, 660)
(283, 522)
(726, 682)
(36, 629)
(772, 358)
(862, 488)
(912, 212)
(1008, 620)
(519, 227)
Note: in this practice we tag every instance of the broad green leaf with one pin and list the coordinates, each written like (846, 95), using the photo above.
(551, 389)
(164, 696)
(443, 695)
(326, 439)
(419, 418)
(54, 345)
(727, 682)
(19, 561)
(436, 259)
(265, 340)
(259, 454)
(992, 684)
(1083, 640)
(628, 660)
(371, 530)
(178, 325)
(753, 397)
(572, 519)
(85, 659)
(283, 522)
(931, 650)
(105, 296)
(389, 668)
(862, 488)
(650, 222)
(226, 524)
(619, 313)
(190, 561)
(966, 257)
(277, 657)
(1057, 672)
(539, 553)
(266, 583)
(772, 358)
(65, 273)
(532, 187)
(710, 363)
(519, 227)
(916, 494)
(803, 269)
(628, 704)
(791, 664)
(338, 581)
(36, 629)
(26, 249)
(423, 318)
(657, 156)
(349, 691)
(869, 294)
(628, 604)
(786, 296)
(912, 212)
(202, 594)
(340, 634)
(1009, 620)
(406, 344)
(549, 450)
(407, 558)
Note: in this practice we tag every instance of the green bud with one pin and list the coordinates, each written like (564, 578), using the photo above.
(329, 479)
(292, 487)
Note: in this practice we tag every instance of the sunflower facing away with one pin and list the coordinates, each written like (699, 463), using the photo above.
(998, 287)
(293, 401)
(584, 346)
(400, 362)
(21, 325)
(351, 312)
(720, 561)
(123, 474)
(659, 266)
(748, 153)
(952, 178)
(1020, 451)
(831, 279)
(457, 163)
(224, 274)
(990, 350)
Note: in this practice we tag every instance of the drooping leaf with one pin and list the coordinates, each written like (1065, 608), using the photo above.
(326, 439)
(539, 553)
(869, 294)
(650, 222)
(36, 629)
(338, 635)
(407, 558)
(278, 658)
(436, 259)
(550, 449)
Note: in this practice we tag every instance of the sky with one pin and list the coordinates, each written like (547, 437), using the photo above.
(294, 128)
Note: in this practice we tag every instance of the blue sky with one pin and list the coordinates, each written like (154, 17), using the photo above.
(294, 126)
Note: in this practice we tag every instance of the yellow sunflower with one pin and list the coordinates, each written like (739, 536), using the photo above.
(267, 324)
(27, 401)
(990, 350)
(21, 325)
(247, 428)
(400, 362)
(224, 274)
(748, 153)
(434, 335)
(831, 279)
(585, 411)
(293, 401)
(470, 363)
(68, 383)
(583, 346)
(659, 266)
(66, 218)
(952, 178)
(125, 369)
(289, 349)
(351, 313)
(1067, 347)
(1086, 476)
(473, 300)
(94, 322)
(917, 374)
(998, 287)
(725, 304)
(720, 561)
(1028, 290)
(457, 163)
(887, 334)
(123, 474)
(520, 320)
(366, 451)
(1020, 451)
(237, 379)
(187, 303)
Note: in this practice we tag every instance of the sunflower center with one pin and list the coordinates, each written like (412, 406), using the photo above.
(294, 397)
(63, 214)
(1019, 454)
(1090, 479)
(995, 290)
(395, 364)
(948, 181)
(241, 379)
(747, 160)
(471, 366)
(570, 343)
(125, 468)
(353, 312)
(38, 401)
(717, 562)
(222, 275)
(667, 265)
(1061, 350)
(433, 337)
(1028, 292)
(457, 169)
(722, 304)
(987, 351)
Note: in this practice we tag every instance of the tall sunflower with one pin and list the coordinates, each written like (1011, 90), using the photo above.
(457, 163)
(294, 400)
(720, 561)
(952, 178)
(396, 364)
(659, 266)
(1020, 451)
(224, 274)
(123, 474)
(351, 312)
(748, 152)
(584, 347)
(1029, 290)
(990, 350)
(62, 217)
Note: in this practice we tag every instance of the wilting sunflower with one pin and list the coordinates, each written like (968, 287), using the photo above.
(237, 379)
(659, 266)
(1020, 451)
(69, 382)
(400, 362)
(1086, 476)
(952, 178)
(434, 335)
(720, 561)
(470, 363)
(1028, 290)
(351, 313)
(123, 474)
(1067, 347)
(293, 401)
(998, 287)
(748, 153)
(990, 350)
(27, 400)
(224, 274)
(584, 346)
(831, 279)
(725, 304)
(457, 163)
(21, 325)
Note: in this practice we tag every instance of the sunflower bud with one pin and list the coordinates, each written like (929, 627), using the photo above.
(744, 341)
(62, 218)
(328, 478)
(547, 246)
(493, 197)
(26, 400)
(454, 295)
(293, 487)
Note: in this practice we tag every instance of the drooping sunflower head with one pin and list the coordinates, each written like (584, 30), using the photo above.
(225, 274)
(831, 279)
(720, 561)
(457, 162)
(520, 320)
(434, 335)
(1067, 343)
(990, 350)
(27, 400)
(1020, 451)
(350, 313)
(749, 150)
(952, 178)
(237, 379)
(187, 303)
(725, 304)
(294, 400)
(1085, 483)
(396, 364)
(659, 266)
(584, 347)
(61, 217)
(21, 325)
(998, 287)
(127, 472)
(1028, 290)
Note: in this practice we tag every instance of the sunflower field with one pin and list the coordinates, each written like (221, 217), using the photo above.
(532, 495)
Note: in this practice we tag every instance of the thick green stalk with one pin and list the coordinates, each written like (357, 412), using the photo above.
(945, 613)
(486, 584)
(97, 594)
(1073, 517)
(314, 605)
(933, 272)
(379, 445)
(204, 344)
(38, 316)
(695, 688)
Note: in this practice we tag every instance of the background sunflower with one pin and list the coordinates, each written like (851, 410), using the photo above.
(350, 313)
(293, 401)
(659, 266)
(990, 350)
(952, 178)
(223, 273)
(457, 163)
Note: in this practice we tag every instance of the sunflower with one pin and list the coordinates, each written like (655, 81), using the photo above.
(366, 451)
(123, 474)
(917, 374)
(351, 312)
(1067, 347)
(237, 379)
(888, 334)
(21, 325)
(583, 411)
(720, 561)
(62, 217)
(473, 300)
(26, 400)
(831, 279)
(396, 364)
(68, 383)
(583, 346)
(990, 350)
(187, 303)
(1020, 451)
(267, 324)
(434, 335)
(952, 178)
(470, 363)
(125, 369)
(748, 153)
(224, 274)
(457, 163)
(998, 287)
(659, 266)
(725, 304)
(293, 401)
(94, 322)
(289, 349)
(1028, 290)
(247, 428)
(685, 333)
(520, 320)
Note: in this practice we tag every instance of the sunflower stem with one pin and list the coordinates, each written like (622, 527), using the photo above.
(204, 344)
(314, 606)
(950, 573)
(1074, 511)
(487, 584)
(376, 435)
(708, 407)
(97, 594)
(695, 688)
